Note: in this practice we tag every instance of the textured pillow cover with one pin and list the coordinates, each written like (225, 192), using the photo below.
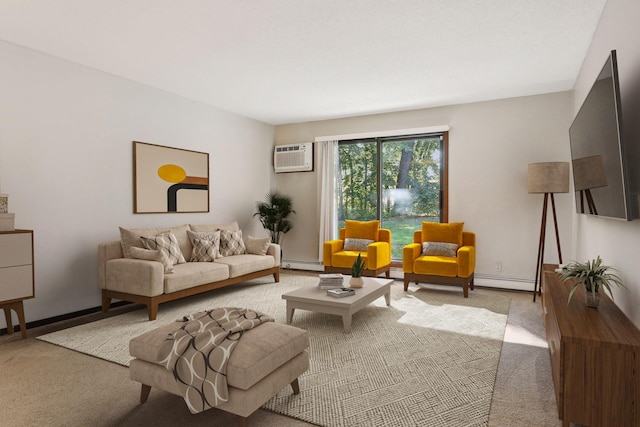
(213, 236)
(167, 243)
(257, 246)
(442, 232)
(131, 238)
(152, 255)
(203, 250)
(231, 243)
(362, 229)
(440, 249)
(352, 244)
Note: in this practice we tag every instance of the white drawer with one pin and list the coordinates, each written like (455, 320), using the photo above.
(16, 282)
(15, 249)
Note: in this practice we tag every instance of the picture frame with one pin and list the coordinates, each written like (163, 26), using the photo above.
(169, 180)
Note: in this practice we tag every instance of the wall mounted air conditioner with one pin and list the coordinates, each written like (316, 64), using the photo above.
(293, 158)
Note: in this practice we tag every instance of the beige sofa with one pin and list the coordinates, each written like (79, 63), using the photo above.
(148, 282)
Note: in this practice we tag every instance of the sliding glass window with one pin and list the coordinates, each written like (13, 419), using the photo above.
(400, 180)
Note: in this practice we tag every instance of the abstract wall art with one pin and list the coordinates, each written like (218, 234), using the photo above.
(169, 180)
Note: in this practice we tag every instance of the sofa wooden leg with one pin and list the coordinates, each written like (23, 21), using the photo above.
(242, 421)
(106, 303)
(152, 308)
(387, 274)
(465, 289)
(472, 280)
(276, 276)
(144, 393)
(406, 283)
(295, 386)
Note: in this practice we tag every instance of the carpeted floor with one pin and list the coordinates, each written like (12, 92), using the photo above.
(430, 357)
(44, 384)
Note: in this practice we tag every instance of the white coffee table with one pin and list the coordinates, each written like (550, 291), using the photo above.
(314, 299)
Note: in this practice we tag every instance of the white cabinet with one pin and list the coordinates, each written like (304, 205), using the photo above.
(16, 274)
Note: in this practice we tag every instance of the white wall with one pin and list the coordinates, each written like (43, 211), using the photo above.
(66, 135)
(490, 144)
(617, 242)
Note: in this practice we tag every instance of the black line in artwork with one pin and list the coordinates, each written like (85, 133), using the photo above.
(172, 194)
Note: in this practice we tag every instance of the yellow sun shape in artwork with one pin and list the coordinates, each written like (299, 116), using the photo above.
(172, 173)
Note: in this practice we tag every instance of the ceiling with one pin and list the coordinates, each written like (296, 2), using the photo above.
(285, 61)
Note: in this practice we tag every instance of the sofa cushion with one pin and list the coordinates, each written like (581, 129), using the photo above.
(192, 274)
(231, 243)
(231, 226)
(167, 243)
(260, 351)
(131, 237)
(247, 263)
(257, 246)
(362, 229)
(442, 232)
(152, 255)
(436, 265)
(213, 236)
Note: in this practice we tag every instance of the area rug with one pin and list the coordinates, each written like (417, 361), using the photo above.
(429, 359)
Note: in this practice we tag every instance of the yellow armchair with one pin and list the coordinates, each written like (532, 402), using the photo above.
(441, 254)
(359, 237)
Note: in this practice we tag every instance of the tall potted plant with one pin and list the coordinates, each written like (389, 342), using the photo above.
(593, 275)
(273, 215)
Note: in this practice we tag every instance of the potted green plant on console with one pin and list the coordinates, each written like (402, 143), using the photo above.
(357, 268)
(593, 275)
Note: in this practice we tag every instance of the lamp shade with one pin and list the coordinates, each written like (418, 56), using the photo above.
(588, 172)
(548, 177)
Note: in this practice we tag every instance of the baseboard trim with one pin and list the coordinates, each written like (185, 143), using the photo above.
(510, 283)
(60, 318)
(302, 265)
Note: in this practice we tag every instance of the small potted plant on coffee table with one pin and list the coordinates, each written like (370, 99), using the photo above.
(357, 268)
(593, 275)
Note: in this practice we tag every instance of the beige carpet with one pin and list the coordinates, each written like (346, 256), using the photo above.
(430, 359)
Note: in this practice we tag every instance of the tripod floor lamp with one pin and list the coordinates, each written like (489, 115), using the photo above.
(547, 178)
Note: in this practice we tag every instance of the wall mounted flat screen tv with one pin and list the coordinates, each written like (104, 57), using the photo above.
(597, 150)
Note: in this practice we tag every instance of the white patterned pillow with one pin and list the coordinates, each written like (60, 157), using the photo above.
(440, 249)
(231, 243)
(213, 236)
(351, 244)
(257, 246)
(203, 250)
(167, 243)
(152, 255)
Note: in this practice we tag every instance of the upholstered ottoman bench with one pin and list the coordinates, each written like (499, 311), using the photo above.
(263, 362)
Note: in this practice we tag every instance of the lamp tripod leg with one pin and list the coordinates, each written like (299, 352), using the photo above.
(543, 226)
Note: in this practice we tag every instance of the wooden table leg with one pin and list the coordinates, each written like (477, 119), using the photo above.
(7, 316)
(18, 307)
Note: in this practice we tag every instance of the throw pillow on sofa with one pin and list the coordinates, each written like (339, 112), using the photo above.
(203, 250)
(131, 237)
(167, 243)
(197, 253)
(152, 255)
(257, 246)
(231, 243)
